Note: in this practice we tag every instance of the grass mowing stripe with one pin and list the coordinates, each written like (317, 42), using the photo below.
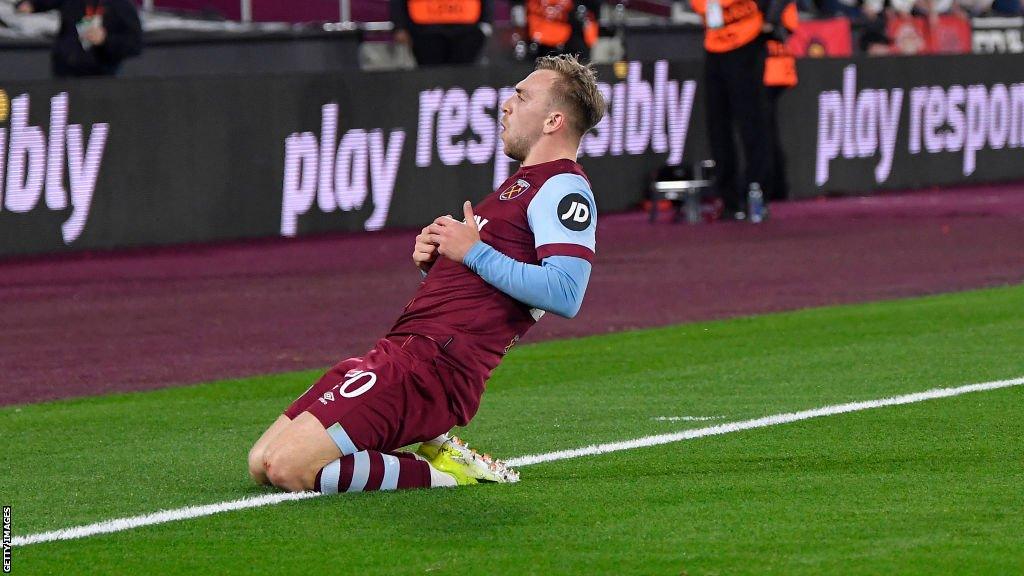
(121, 524)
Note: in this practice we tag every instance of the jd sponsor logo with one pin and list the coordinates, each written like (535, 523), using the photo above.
(574, 212)
(339, 174)
(32, 163)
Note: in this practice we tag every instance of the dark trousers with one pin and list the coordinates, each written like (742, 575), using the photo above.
(439, 45)
(776, 185)
(736, 101)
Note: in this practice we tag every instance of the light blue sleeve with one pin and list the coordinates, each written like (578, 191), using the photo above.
(557, 285)
(563, 218)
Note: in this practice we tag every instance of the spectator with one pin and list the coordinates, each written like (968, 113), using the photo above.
(559, 26)
(443, 31)
(95, 36)
(874, 39)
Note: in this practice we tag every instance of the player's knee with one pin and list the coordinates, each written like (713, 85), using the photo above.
(285, 472)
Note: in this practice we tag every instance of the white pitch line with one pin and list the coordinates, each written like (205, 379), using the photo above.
(189, 512)
(774, 420)
(121, 524)
(686, 418)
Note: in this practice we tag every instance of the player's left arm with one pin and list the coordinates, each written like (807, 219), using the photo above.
(557, 285)
(563, 219)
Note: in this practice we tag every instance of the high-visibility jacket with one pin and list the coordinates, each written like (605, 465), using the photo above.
(741, 24)
(780, 64)
(548, 22)
(427, 12)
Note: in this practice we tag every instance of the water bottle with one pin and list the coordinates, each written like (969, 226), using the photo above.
(755, 203)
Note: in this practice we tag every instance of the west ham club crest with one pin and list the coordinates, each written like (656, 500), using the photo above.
(514, 191)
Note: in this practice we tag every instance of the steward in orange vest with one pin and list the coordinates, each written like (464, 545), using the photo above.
(780, 64)
(735, 95)
(729, 24)
(779, 75)
(561, 26)
(443, 31)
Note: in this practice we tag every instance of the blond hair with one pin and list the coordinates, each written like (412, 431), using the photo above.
(577, 90)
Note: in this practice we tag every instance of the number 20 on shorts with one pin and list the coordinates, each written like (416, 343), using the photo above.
(363, 379)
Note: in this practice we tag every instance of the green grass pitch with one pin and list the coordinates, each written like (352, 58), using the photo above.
(930, 488)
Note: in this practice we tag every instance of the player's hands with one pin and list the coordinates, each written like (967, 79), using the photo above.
(425, 251)
(454, 238)
(26, 7)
